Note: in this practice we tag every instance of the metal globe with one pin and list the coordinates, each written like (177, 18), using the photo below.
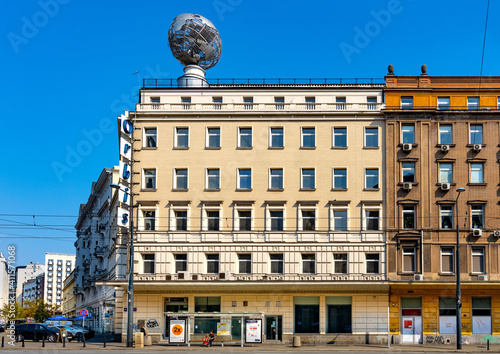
(194, 40)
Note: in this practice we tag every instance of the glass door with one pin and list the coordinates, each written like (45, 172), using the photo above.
(273, 327)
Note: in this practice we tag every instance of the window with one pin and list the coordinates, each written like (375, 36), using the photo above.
(308, 137)
(408, 133)
(478, 260)
(476, 134)
(443, 103)
(340, 220)
(409, 259)
(447, 260)
(408, 171)
(155, 100)
(244, 137)
(244, 178)
(371, 137)
(498, 103)
(472, 103)
(148, 263)
(213, 218)
(406, 102)
(409, 216)
(149, 181)
(308, 263)
(311, 103)
(207, 304)
(445, 134)
(213, 138)
(150, 137)
(371, 103)
(245, 263)
(276, 138)
(372, 219)
(340, 178)
(276, 219)
(340, 137)
(307, 220)
(476, 173)
(306, 313)
(213, 178)
(244, 220)
(446, 215)
(180, 262)
(276, 263)
(308, 180)
(181, 178)
(445, 173)
(477, 216)
(279, 103)
(275, 178)
(248, 103)
(481, 315)
(341, 103)
(217, 103)
(186, 102)
(181, 138)
(212, 263)
(371, 178)
(149, 220)
(340, 263)
(181, 220)
(176, 304)
(447, 315)
(372, 263)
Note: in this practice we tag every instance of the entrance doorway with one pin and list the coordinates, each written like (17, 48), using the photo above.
(274, 326)
(411, 320)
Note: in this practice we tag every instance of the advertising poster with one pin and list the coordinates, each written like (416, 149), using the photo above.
(253, 331)
(177, 331)
(447, 324)
(223, 329)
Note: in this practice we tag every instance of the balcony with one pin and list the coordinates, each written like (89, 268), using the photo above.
(100, 251)
(100, 273)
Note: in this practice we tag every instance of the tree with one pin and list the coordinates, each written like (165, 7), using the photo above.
(10, 312)
(39, 310)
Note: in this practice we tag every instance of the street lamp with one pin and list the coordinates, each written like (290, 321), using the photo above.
(130, 288)
(457, 262)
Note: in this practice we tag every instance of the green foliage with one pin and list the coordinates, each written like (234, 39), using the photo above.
(39, 310)
(10, 312)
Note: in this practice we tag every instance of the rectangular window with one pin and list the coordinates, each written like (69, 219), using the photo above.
(279, 103)
(372, 219)
(339, 137)
(409, 216)
(180, 262)
(308, 139)
(408, 133)
(476, 134)
(276, 263)
(306, 313)
(409, 260)
(481, 315)
(447, 315)
(311, 103)
(186, 103)
(213, 138)
(308, 179)
(248, 103)
(340, 178)
(371, 137)
(445, 134)
(245, 137)
(213, 220)
(338, 314)
(213, 178)
(181, 178)
(181, 137)
(149, 219)
(149, 181)
(445, 173)
(155, 100)
(340, 222)
(371, 178)
(245, 220)
(245, 263)
(277, 218)
(244, 178)
(477, 216)
(275, 178)
(276, 138)
(476, 173)
(446, 215)
(217, 103)
(478, 260)
(340, 263)
(341, 103)
(372, 263)
(212, 263)
(150, 137)
(472, 103)
(148, 263)
(181, 220)
(447, 260)
(408, 171)
(443, 103)
(308, 263)
(371, 103)
(308, 220)
(406, 102)
(207, 304)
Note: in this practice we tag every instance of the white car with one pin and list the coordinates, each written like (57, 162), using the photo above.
(73, 333)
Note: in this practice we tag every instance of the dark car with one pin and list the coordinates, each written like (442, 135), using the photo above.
(36, 332)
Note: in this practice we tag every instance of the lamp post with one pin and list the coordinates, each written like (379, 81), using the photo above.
(457, 262)
(130, 287)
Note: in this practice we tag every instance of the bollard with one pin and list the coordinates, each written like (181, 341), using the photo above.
(43, 342)
(64, 341)
(23, 343)
(487, 344)
(84, 342)
(104, 341)
(2, 341)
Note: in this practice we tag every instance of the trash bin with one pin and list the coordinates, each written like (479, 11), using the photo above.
(147, 341)
(139, 339)
(296, 341)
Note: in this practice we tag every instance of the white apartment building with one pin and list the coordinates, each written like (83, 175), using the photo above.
(57, 267)
(4, 280)
(25, 273)
(33, 289)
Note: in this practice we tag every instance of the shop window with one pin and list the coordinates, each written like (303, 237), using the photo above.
(339, 314)
(176, 304)
(481, 315)
(447, 315)
(306, 313)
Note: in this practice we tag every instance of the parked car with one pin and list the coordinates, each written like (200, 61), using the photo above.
(2, 328)
(73, 333)
(36, 332)
(89, 333)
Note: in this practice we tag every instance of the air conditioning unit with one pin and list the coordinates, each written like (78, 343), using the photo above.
(224, 276)
(477, 232)
(407, 147)
(195, 277)
(183, 275)
(477, 147)
(482, 278)
(445, 148)
(418, 277)
(496, 233)
(445, 186)
(168, 277)
(407, 186)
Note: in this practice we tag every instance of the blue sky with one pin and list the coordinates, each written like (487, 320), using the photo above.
(68, 73)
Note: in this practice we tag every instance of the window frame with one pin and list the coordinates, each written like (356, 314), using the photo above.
(342, 262)
(278, 262)
(369, 208)
(336, 177)
(271, 135)
(301, 219)
(482, 259)
(205, 222)
(152, 263)
(473, 103)
(339, 208)
(448, 171)
(444, 133)
(269, 218)
(153, 177)
(407, 213)
(444, 104)
(242, 134)
(476, 168)
(180, 263)
(377, 187)
(335, 135)
(240, 176)
(446, 213)
(177, 135)
(209, 135)
(247, 263)
(146, 136)
(413, 257)
(272, 177)
(449, 253)
(174, 209)
(141, 224)
(303, 136)
(405, 132)
(480, 211)
(177, 178)
(406, 102)
(308, 260)
(214, 260)
(207, 178)
(237, 219)
(366, 134)
(410, 167)
(369, 261)
(474, 131)
(313, 169)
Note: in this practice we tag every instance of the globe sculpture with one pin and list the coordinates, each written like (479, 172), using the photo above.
(194, 40)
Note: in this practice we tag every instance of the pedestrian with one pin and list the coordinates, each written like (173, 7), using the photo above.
(205, 341)
(143, 330)
(212, 337)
